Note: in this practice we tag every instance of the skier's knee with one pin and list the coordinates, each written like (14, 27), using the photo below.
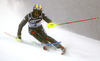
(33, 32)
(47, 38)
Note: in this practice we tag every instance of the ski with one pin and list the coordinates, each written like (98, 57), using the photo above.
(63, 51)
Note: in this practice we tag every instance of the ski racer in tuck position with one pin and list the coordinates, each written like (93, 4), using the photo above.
(35, 27)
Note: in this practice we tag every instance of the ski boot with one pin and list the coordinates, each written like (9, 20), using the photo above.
(47, 46)
(63, 50)
(44, 47)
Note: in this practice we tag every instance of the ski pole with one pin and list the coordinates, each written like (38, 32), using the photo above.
(9, 34)
(79, 21)
(51, 25)
(17, 39)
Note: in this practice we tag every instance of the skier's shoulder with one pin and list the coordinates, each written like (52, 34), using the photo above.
(43, 14)
(29, 14)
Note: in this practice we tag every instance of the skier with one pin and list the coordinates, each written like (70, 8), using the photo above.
(35, 27)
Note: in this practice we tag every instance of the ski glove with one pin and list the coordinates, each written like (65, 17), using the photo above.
(51, 25)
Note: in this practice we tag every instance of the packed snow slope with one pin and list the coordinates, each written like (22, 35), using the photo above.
(79, 48)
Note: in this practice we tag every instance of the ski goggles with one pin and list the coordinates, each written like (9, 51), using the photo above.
(37, 11)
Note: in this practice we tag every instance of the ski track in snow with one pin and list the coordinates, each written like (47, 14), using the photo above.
(79, 48)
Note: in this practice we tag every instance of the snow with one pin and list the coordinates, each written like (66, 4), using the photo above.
(79, 48)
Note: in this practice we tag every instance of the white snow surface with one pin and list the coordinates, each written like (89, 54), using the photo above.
(78, 47)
